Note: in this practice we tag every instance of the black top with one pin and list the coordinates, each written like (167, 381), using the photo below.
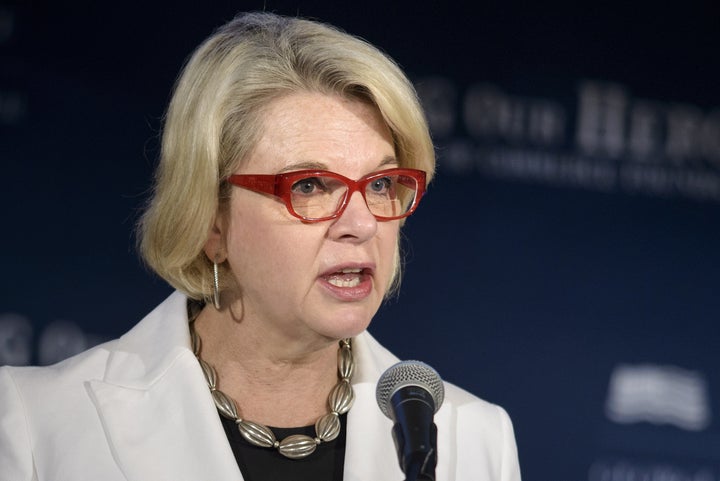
(266, 464)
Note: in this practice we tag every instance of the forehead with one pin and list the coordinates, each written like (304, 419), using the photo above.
(311, 130)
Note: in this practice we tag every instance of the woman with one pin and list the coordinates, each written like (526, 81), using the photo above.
(291, 155)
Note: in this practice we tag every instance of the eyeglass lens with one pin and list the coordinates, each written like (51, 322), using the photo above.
(319, 196)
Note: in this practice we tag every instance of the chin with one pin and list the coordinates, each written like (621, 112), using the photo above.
(347, 324)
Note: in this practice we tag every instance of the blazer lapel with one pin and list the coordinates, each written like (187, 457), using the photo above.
(158, 415)
(446, 440)
(369, 451)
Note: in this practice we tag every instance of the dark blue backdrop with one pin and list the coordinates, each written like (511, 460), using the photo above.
(560, 270)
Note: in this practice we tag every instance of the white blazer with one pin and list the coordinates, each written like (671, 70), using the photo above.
(138, 409)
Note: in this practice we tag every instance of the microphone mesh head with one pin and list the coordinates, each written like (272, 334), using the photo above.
(408, 373)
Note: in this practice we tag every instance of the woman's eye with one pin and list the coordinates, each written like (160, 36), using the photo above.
(382, 185)
(307, 186)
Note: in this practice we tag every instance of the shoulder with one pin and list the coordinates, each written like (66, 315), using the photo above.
(66, 379)
(41, 408)
(38, 404)
(480, 430)
(475, 412)
(468, 414)
(88, 364)
(475, 436)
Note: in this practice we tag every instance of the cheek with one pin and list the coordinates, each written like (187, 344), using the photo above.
(250, 239)
(257, 248)
(254, 228)
(388, 245)
(265, 251)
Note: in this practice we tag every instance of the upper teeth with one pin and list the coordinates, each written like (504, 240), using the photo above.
(351, 271)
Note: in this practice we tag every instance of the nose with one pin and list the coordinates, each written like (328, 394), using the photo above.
(356, 224)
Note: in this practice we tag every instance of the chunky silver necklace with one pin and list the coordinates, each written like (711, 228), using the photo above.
(296, 446)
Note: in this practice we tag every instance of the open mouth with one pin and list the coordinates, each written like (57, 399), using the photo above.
(346, 278)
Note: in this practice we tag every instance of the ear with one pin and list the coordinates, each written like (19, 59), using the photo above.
(215, 244)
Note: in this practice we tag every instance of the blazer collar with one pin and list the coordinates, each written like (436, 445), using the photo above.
(155, 408)
(144, 353)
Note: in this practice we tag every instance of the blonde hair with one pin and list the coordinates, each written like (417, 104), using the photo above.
(214, 118)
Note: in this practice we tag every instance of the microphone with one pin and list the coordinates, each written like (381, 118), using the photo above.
(410, 393)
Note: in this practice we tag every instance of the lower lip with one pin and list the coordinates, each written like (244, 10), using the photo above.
(356, 293)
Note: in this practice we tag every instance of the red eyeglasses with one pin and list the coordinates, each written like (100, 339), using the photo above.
(318, 195)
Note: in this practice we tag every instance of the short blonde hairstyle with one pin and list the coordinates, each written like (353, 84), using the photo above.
(214, 120)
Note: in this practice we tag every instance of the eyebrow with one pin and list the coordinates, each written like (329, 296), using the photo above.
(387, 160)
(304, 166)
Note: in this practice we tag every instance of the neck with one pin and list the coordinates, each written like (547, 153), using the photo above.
(277, 382)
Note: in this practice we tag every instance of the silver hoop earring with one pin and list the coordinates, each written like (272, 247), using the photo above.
(216, 286)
